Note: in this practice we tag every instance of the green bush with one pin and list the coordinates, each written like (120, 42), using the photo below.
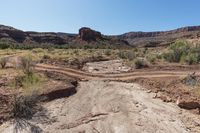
(151, 58)
(182, 52)
(192, 58)
(4, 45)
(27, 81)
(140, 63)
(30, 80)
(170, 57)
(130, 55)
(178, 49)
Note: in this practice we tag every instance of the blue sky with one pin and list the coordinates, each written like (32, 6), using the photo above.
(107, 16)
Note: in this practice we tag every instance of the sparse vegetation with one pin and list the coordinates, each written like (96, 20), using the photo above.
(38, 50)
(23, 109)
(3, 45)
(3, 62)
(27, 78)
(176, 51)
(190, 80)
(108, 52)
(140, 63)
(129, 55)
(192, 58)
(182, 52)
(151, 58)
(30, 80)
(27, 65)
(46, 57)
(24, 106)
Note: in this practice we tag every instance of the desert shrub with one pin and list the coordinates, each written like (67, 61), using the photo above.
(23, 109)
(24, 106)
(3, 62)
(76, 52)
(27, 81)
(107, 52)
(130, 55)
(190, 80)
(38, 50)
(50, 49)
(140, 63)
(171, 57)
(135, 49)
(191, 58)
(4, 45)
(87, 47)
(159, 56)
(151, 58)
(145, 50)
(46, 57)
(27, 65)
(30, 80)
(183, 52)
(177, 51)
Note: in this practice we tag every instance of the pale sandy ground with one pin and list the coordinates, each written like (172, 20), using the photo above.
(111, 66)
(112, 107)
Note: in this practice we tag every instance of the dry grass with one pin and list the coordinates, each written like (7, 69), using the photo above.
(151, 54)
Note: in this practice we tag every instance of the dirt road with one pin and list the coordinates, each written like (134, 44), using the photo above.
(121, 76)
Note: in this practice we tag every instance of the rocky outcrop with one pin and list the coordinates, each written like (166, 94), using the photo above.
(58, 90)
(59, 87)
(88, 34)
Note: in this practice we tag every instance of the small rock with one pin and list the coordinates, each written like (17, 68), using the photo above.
(149, 91)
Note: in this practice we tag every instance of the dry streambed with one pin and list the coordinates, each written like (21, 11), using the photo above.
(101, 106)
(112, 107)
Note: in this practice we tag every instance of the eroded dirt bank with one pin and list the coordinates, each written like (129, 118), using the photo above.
(112, 107)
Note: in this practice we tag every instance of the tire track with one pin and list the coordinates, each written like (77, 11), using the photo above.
(121, 76)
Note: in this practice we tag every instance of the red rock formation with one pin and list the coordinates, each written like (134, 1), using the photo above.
(88, 34)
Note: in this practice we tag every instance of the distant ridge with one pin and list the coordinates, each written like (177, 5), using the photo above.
(139, 39)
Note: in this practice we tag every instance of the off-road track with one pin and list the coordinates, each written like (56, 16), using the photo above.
(75, 73)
